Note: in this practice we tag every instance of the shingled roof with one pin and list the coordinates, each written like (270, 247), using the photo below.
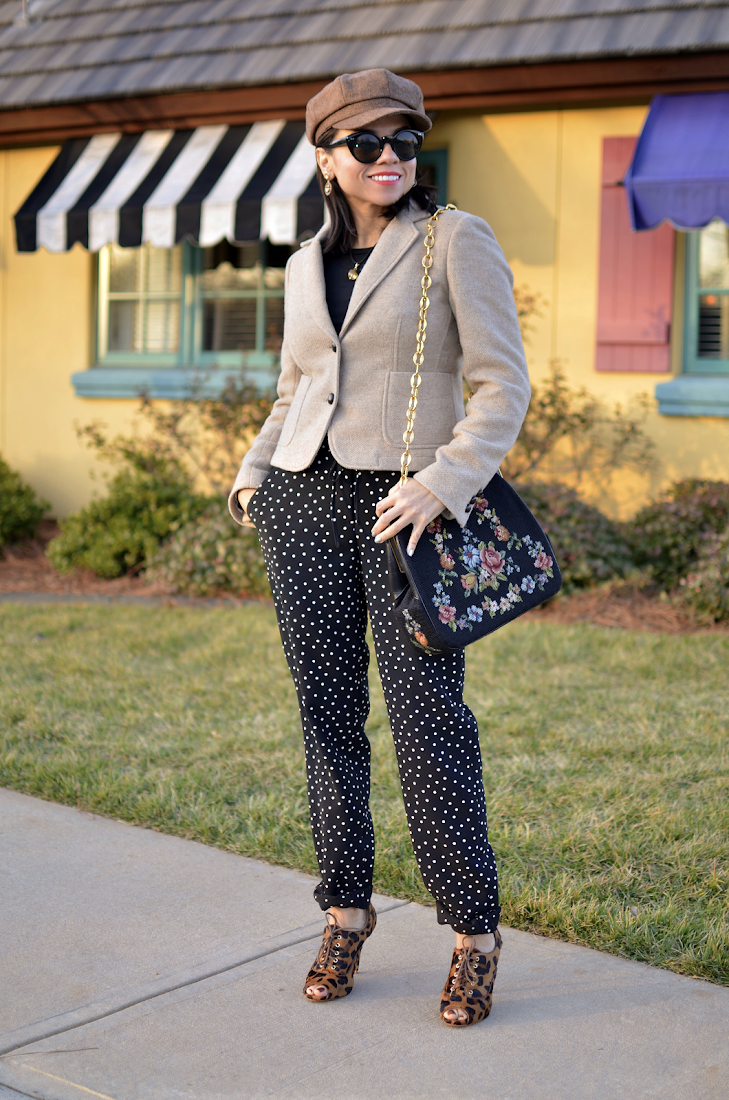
(79, 50)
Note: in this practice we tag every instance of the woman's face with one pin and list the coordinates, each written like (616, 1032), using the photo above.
(381, 183)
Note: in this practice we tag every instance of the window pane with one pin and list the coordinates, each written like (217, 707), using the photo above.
(164, 270)
(124, 269)
(229, 324)
(163, 326)
(274, 324)
(125, 332)
(273, 278)
(714, 326)
(229, 278)
(714, 255)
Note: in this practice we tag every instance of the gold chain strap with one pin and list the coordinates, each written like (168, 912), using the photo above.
(426, 282)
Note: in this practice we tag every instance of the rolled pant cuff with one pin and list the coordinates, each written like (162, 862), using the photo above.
(481, 924)
(341, 901)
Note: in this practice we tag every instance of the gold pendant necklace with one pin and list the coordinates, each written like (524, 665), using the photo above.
(353, 273)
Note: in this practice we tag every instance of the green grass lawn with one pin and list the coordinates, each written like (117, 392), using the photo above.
(606, 763)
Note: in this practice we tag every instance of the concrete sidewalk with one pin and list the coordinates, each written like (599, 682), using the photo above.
(137, 966)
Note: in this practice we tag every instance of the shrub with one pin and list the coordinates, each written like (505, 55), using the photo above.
(148, 499)
(706, 589)
(20, 509)
(590, 548)
(571, 436)
(212, 554)
(669, 534)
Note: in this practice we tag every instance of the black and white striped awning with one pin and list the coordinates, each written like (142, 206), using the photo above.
(240, 183)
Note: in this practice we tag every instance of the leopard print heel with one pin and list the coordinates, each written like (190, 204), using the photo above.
(338, 960)
(470, 983)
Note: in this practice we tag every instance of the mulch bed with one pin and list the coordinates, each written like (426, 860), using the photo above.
(25, 569)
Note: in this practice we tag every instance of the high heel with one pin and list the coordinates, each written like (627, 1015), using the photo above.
(470, 983)
(338, 959)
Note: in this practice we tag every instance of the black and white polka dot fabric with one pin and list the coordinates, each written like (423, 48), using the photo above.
(327, 573)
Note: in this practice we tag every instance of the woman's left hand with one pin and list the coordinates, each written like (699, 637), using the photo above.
(403, 505)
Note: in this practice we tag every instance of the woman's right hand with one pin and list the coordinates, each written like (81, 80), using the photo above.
(244, 498)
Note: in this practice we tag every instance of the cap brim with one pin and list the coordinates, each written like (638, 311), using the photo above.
(345, 119)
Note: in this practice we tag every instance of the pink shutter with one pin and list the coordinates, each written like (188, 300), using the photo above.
(635, 289)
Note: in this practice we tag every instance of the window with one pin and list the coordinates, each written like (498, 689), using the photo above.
(190, 307)
(707, 301)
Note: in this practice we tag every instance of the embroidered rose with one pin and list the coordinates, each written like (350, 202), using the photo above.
(420, 637)
(447, 561)
(469, 581)
(502, 534)
(542, 560)
(481, 504)
(491, 561)
(434, 526)
(446, 614)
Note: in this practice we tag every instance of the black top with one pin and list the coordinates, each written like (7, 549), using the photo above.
(339, 286)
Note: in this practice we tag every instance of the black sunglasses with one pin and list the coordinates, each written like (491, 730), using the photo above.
(368, 148)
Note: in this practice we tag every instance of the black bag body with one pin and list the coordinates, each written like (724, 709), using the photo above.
(464, 583)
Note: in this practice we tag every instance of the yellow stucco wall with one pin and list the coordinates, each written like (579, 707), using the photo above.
(46, 334)
(536, 178)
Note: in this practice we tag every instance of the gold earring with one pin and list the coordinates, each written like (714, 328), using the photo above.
(327, 185)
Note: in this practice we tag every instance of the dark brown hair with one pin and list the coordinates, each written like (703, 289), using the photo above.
(342, 233)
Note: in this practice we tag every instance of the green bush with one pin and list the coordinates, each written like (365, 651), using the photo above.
(20, 509)
(706, 589)
(212, 554)
(148, 499)
(668, 535)
(589, 547)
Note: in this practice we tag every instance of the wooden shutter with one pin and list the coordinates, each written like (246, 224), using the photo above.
(635, 289)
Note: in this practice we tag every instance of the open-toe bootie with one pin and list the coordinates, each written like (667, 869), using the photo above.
(338, 960)
(470, 984)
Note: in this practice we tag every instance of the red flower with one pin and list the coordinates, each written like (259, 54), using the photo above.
(435, 526)
(543, 561)
(491, 560)
(481, 504)
(446, 613)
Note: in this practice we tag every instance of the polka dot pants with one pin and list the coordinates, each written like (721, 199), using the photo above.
(327, 573)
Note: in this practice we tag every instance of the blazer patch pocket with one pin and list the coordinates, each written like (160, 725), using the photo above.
(436, 414)
(292, 416)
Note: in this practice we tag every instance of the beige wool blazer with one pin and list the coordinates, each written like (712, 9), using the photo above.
(354, 386)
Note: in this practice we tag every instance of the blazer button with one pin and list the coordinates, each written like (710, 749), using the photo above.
(330, 398)
(334, 347)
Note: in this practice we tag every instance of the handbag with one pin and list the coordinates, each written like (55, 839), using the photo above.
(463, 583)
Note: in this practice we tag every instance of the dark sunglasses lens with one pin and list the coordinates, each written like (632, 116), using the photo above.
(406, 145)
(364, 147)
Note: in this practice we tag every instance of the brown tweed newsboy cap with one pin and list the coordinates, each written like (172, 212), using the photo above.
(355, 100)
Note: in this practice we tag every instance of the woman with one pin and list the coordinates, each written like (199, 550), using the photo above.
(320, 484)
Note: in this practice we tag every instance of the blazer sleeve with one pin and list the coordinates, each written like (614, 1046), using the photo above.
(256, 465)
(480, 286)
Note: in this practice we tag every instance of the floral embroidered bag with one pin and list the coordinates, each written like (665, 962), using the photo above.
(464, 583)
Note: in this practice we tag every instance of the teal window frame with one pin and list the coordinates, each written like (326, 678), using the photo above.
(692, 364)
(189, 371)
(702, 389)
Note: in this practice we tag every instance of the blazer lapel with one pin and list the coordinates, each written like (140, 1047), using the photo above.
(398, 237)
(315, 288)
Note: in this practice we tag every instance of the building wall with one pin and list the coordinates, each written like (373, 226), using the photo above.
(536, 178)
(46, 333)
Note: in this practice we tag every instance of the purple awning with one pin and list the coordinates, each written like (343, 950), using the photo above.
(680, 168)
